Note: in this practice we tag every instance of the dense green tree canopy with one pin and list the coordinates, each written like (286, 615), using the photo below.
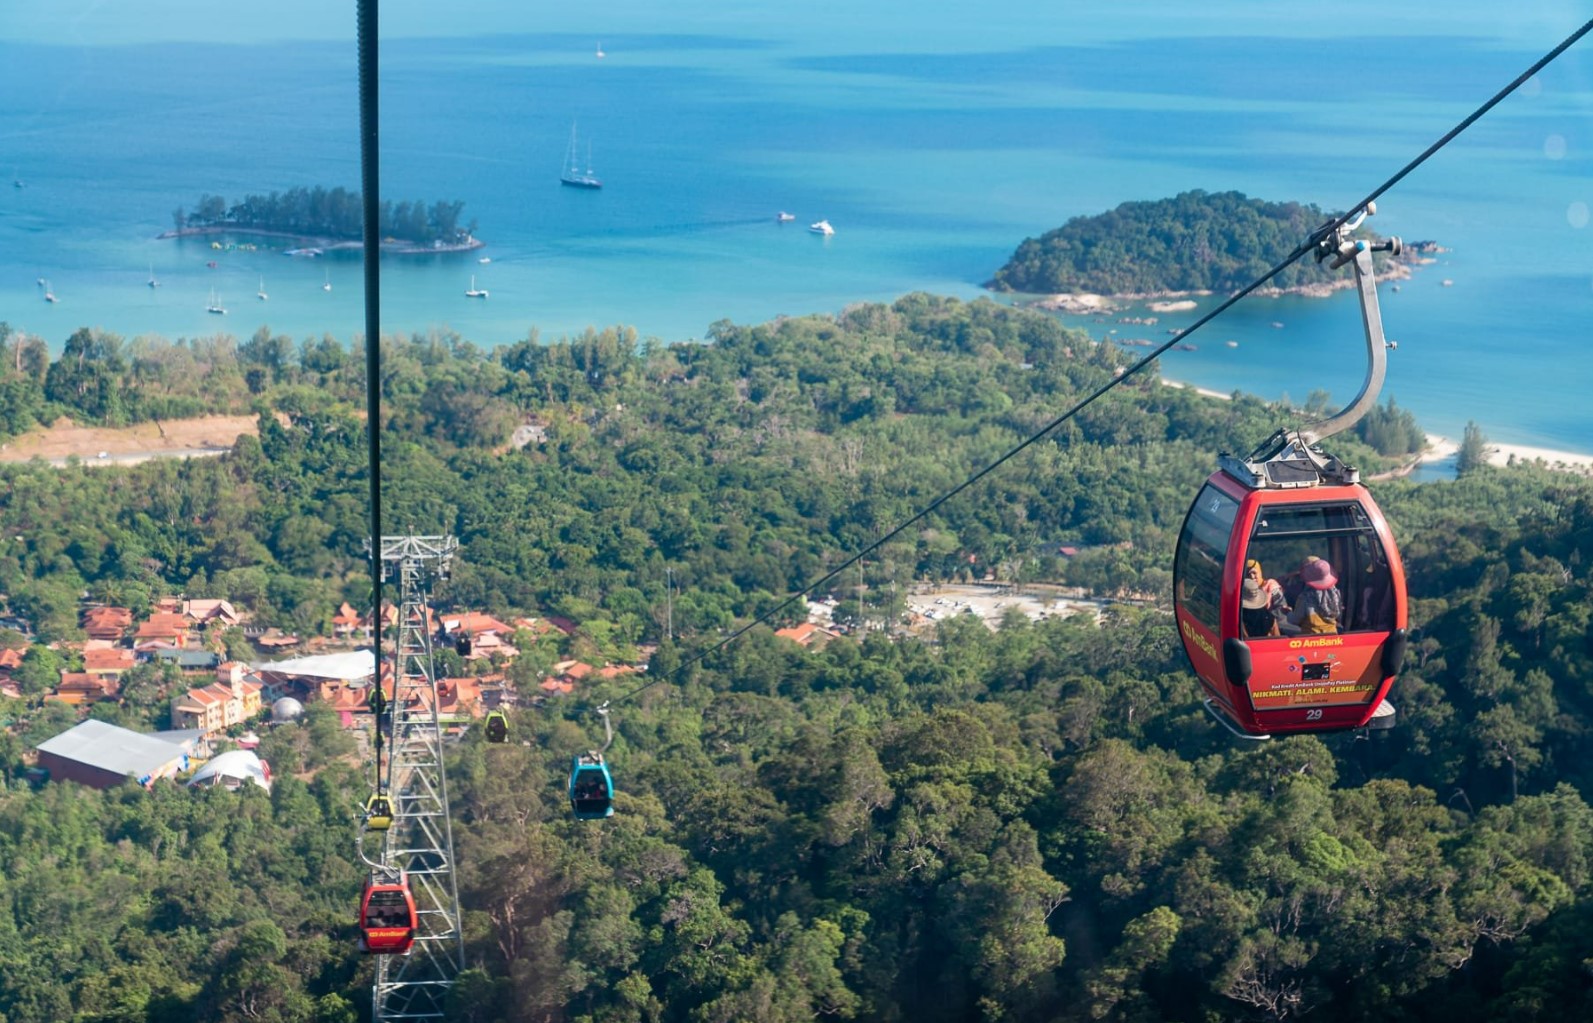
(328, 213)
(1195, 241)
(1030, 824)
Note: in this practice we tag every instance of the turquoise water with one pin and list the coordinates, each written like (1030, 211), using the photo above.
(933, 143)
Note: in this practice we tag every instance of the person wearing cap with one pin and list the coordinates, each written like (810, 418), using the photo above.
(1255, 612)
(1320, 605)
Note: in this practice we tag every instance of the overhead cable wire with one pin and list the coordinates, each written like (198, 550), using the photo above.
(1305, 247)
(369, 208)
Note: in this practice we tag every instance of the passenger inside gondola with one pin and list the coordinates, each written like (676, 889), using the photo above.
(591, 792)
(1375, 608)
(1255, 615)
(1271, 587)
(386, 916)
(1276, 621)
(1320, 608)
(1293, 584)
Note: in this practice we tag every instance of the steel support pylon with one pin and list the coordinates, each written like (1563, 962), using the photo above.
(420, 841)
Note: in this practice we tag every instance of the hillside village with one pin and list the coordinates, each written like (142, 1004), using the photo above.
(183, 665)
(204, 676)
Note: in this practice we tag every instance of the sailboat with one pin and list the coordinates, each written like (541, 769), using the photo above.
(215, 305)
(153, 282)
(327, 286)
(474, 291)
(600, 53)
(573, 176)
(261, 294)
(49, 294)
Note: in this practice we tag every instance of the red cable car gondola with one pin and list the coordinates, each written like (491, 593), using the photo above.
(1287, 587)
(1290, 599)
(387, 915)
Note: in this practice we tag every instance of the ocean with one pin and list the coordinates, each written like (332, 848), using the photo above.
(933, 140)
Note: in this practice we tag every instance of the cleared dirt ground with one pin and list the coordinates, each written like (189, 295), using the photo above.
(174, 438)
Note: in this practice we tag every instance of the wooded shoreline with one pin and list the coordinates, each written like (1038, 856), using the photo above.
(391, 246)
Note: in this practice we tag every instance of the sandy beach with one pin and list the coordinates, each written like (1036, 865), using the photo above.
(1440, 448)
(1206, 391)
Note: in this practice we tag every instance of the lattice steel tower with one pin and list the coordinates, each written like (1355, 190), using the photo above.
(420, 841)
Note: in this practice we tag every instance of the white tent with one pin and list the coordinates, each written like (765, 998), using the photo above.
(352, 666)
(232, 769)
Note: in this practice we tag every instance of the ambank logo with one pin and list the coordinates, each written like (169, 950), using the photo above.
(1193, 635)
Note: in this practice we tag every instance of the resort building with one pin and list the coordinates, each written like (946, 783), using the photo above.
(107, 623)
(102, 755)
(234, 697)
(78, 688)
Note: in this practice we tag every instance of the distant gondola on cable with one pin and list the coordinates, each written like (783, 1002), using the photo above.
(496, 727)
(1288, 589)
(379, 812)
(591, 787)
(387, 915)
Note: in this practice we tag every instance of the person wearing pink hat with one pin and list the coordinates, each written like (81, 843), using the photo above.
(1320, 606)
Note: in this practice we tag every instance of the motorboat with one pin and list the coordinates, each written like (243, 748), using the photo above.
(785, 217)
(822, 227)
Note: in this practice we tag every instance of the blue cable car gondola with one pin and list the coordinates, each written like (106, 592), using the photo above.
(1318, 649)
(591, 787)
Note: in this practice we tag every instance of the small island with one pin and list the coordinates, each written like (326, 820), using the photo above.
(330, 219)
(1193, 243)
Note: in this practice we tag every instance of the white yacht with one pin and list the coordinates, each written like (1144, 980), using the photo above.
(785, 218)
(261, 294)
(474, 291)
(822, 227)
(215, 305)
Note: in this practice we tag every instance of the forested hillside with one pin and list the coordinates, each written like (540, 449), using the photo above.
(1195, 241)
(1033, 824)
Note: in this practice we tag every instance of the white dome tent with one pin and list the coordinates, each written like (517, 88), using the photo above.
(232, 769)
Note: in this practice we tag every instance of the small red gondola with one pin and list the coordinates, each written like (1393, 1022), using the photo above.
(1255, 565)
(387, 916)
